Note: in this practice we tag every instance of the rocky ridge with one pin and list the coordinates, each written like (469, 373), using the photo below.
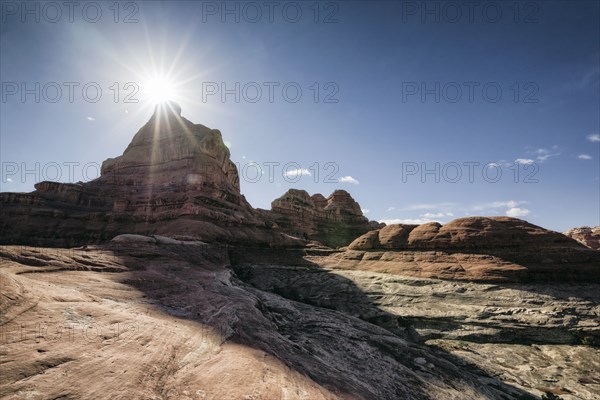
(173, 170)
(473, 249)
(588, 236)
(334, 221)
(175, 178)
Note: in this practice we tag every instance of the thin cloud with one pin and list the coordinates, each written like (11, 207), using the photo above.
(524, 161)
(437, 215)
(544, 154)
(517, 212)
(91, 118)
(433, 206)
(594, 137)
(407, 221)
(508, 203)
(539, 155)
(349, 179)
(294, 173)
(390, 209)
(584, 157)
(365, 210)
(494, 206)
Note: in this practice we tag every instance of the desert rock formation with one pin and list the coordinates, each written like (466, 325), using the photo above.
(473, 249)
(175, 178)
(159, 280)
(334, 221)
(586, 235)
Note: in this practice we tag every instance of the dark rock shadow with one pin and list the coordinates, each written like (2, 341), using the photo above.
(346, 344)
(287, 274)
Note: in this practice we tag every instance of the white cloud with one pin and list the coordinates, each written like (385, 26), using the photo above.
(294, 173)
(498, 204)
(91, 118)
(409, 221)
(8, 180)
(348, 179)
(432, 215)
(524, 161)
(511, 207)
(594, 138)
(390, 209)
(539, 155)
(365, 210)
(437, 206)
(437, 215)
(509, 203)
(517, 212)
(542, 155)
(584, 157)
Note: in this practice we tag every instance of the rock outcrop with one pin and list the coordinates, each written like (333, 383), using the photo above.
(473, 248)
(542, 337)
(586, 235)
(175, 178)
(464, 234)
(334, 221)
(140, 319)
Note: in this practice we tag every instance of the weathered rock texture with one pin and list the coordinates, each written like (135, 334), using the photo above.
(145, 317)
(586, 235)
(150, 320)
(334, 221)
(175, 178)
(474, 249)
(539, 337)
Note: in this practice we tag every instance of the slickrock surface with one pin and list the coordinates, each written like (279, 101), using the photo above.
(473, 249)
(542, 337)
(334, 221)
(157, 320)
(586, 235)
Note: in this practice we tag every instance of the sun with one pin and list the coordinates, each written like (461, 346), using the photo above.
(159, 89)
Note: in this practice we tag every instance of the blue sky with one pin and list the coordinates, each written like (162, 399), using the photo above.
(389, 89)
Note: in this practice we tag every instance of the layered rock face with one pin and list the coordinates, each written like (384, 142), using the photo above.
(175, 178)
(463, 234)
(542, 337)
(171, 151)
(334, 221)
(474, 248)
(587, 236)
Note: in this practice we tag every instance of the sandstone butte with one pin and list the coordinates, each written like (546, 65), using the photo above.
(159, 280)
(175, 178)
